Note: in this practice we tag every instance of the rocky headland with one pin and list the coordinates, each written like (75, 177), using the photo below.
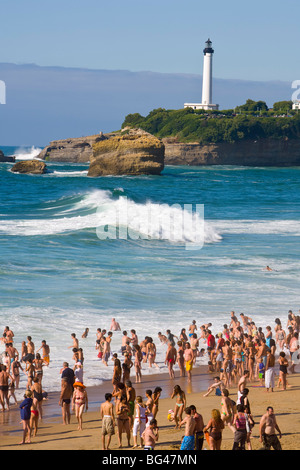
(114, 151)
(73, 150)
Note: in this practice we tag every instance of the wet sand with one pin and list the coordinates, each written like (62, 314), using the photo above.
(53, 435)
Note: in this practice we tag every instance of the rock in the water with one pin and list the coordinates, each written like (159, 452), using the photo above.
(34, 167)
(133, 153)
(3, 158)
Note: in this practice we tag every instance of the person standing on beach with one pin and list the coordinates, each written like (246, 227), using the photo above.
(80, 402)
(68, 373)
(151, 352)
(4, 387)
(283, 369)
(267, 430)
(189, 358)
(180, 358)
(199, 426)
(180, 404)
(131, 396)
(240, 434)
(215, 427)
(15, 372)
(242, 383)
(150, 435)
(194, 342)
(117, 373)
(122, 410)
(65, 400)
(294, 349)
(25, 410)
(138, 363)
(126, 367)
(37, 392)
(30, 370)
(156, 397)
(188, 442)
(140, 419)
(108, 421)
(170, 359)
(38, 367)
(270, 372)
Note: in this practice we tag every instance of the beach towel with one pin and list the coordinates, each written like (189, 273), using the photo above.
(270, 378)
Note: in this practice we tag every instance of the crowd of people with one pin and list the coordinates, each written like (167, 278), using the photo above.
(242, 352)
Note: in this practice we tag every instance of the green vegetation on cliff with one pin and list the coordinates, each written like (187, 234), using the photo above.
(252, 121)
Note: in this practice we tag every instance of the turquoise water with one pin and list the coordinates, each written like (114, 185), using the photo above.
(57, 277)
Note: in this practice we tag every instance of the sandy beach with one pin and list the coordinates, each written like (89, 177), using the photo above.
(53, 435)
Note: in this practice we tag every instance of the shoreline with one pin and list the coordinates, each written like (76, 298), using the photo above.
(52, 411)
(53, 435)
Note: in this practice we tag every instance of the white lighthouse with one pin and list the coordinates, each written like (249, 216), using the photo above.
(206, 81)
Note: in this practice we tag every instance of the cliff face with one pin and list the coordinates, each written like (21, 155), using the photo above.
(264, 152)
(134, 153)
(76, 150)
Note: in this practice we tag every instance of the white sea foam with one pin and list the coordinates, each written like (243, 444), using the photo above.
(265, 227)
(27, 154)
(99, 209)
(28, 322)
(68, 173)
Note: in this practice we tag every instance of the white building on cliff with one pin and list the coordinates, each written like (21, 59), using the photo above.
(206, 81)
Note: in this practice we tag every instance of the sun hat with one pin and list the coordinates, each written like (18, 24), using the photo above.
(78, 384)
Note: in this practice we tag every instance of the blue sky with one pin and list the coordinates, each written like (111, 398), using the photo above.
(255, 40)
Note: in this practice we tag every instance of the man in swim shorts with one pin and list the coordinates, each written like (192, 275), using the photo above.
(108, 420)
(188, 442)
(189, 358)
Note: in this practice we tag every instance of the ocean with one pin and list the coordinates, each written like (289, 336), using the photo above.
(60, 275)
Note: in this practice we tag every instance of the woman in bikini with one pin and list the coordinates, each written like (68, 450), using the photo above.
(149, 406)
(156, 397)
(122, 412)
(38, 363)
(151, 353)
(283, 365)
(180, 404)
(138, 364)
(30, 370)
(180, 358)
(227, 410)
(15, 372)
(215, 427)
(80, 401)
(37, 392)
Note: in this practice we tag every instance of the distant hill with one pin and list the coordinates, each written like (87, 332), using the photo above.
(49, 103)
